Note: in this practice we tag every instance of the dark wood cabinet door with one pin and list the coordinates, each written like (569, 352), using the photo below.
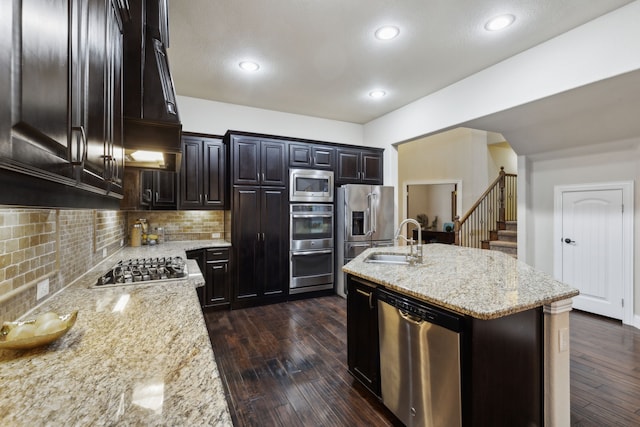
(299, 155)
(348, 166)
(359, 167)
(246, 240)
(191, 174)
(363, 354)
(323, 157)
(274, 219)
(95, 96)
(214, 173)
(164, 190)
(311, 156)
(273, 166)
(40, 69)
(246, 161)
(217, 283)
(114, 100)
(371, 168)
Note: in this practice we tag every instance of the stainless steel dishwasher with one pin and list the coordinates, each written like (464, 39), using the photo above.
(419, 361)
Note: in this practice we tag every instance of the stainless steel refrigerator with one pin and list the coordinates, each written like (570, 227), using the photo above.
(364, 219)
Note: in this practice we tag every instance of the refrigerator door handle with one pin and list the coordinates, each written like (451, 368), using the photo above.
(374, 213)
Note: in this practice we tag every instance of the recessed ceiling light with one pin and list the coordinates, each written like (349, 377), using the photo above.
(499, 22)
(387, 32)
(249, 66)
(377, 93)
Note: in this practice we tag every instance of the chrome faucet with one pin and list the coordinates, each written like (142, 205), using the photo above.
(417, 256)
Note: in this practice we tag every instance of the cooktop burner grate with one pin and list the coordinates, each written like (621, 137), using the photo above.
(144, 270)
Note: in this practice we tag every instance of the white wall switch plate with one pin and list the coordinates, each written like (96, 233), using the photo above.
(215, 235)
(104, 252)
(121, 242)
(42, 289)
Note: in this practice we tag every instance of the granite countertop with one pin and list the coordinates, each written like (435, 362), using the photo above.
(148, 363)
(477, 282)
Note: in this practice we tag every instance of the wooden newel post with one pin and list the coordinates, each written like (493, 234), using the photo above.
(501, 209)
(456, 229)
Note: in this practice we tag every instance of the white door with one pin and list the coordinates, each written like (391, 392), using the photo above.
(592, 249)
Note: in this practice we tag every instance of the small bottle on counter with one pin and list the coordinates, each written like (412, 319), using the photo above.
(159, 232)
(136, 235)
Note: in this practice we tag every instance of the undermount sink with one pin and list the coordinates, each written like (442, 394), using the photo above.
(388, 258)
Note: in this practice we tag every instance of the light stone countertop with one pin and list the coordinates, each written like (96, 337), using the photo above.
(149, 364)
(477, 282)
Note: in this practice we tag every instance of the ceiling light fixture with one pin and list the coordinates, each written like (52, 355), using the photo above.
(377, 93)
(249, 66)
(499, 22)
(387, 32)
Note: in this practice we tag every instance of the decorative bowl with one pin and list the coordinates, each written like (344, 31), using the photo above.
(38, 340)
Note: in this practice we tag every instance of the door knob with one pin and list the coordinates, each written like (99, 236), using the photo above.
(568, 240)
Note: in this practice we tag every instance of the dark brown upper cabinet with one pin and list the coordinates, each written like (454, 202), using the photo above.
(258, 161)
(64, 102)
(160, 189)
(203, 176)
(311, 156)
(359, 166)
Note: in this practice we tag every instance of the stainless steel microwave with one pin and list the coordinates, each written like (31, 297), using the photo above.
(308, 185)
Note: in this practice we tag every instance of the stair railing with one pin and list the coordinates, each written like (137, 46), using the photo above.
(497, 205)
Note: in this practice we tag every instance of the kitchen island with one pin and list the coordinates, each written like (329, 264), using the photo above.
(138, 355)
(513, 334)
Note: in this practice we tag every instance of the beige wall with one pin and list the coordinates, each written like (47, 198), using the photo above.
(434, 200)
(458, 155)
(502, 155)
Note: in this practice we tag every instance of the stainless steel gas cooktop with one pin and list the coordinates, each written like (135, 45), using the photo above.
(144, 270)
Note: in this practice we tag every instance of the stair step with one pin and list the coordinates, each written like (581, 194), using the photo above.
(507, 236)
(511, 225)
(509, 248)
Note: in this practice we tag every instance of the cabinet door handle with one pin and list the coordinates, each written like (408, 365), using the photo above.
(263, 177)
(116, 169)
(82, 148)
(226, 268)
(157, 197)
(368, 295)
(258, 237)
(200, 199)
(206, 198)
(263, 237)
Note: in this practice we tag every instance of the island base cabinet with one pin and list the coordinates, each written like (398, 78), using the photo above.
(504, 372)
(501, 360)
(363, 356)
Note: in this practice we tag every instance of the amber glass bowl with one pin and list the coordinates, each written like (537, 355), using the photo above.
(38, 340)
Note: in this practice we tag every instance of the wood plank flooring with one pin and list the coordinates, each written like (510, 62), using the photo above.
(605, 372)
(286, 365)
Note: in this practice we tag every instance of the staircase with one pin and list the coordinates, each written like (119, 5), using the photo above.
(491, 221)
(504, 240)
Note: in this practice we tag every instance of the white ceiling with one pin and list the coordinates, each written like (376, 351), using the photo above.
(604, 111)
(319, 57)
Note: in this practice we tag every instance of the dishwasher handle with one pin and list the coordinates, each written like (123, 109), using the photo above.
(409, 318)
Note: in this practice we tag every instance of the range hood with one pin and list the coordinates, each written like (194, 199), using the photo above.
(151, 121)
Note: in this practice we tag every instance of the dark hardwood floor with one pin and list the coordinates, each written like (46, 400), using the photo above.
(286, 365)
(605, 372)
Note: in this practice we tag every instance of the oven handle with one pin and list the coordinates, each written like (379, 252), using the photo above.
(326, 251)
(311, 215)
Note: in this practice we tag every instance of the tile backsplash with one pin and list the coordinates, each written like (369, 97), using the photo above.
(57, 245)
(185, 225)
(60, 245)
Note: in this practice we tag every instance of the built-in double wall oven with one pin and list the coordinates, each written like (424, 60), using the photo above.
(311, 244)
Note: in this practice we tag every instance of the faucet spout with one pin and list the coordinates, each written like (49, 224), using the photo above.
(417, 257)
